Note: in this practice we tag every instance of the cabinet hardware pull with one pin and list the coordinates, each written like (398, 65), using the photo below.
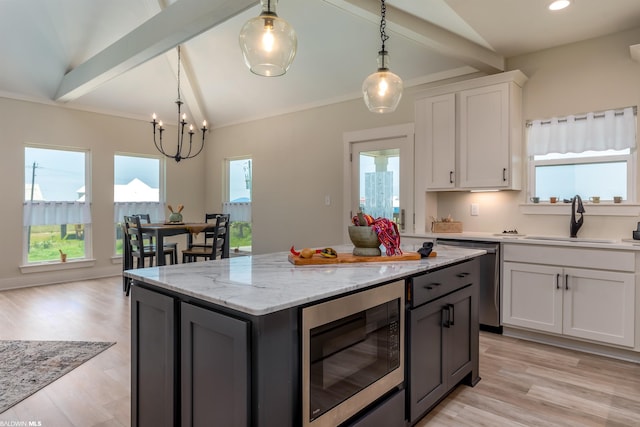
(402, 214)
(462, 274)
(445, 320)
(504, 174)
(566, 281)
(450, 177)
(452, 321)
(558, 281)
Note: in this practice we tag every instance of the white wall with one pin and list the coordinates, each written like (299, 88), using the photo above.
(26, 122)
(297, 161)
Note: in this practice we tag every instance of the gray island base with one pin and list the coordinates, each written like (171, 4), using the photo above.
(219, 343)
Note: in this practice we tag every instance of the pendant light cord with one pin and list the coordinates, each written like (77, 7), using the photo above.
(383, 24)
(178, 74)
(383, 34)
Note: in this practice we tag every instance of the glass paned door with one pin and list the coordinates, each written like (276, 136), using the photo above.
(382, 180)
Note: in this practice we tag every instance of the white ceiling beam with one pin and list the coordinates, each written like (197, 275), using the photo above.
(432, 36)
(176, 24)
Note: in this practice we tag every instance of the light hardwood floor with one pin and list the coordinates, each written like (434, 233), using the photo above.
(97, 393)
(523, 383)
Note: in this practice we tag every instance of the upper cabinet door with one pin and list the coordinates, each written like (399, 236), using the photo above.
(436, 142)
(484, 137)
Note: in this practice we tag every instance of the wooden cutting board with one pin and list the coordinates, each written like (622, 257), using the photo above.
(345, 258)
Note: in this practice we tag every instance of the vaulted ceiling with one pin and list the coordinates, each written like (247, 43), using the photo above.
(119, 56)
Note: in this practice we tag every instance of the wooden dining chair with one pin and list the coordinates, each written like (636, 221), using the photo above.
(219, 243)
(136, 248)
(209, 218)
(168, 246)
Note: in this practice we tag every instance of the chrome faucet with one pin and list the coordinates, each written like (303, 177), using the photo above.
(574, 226)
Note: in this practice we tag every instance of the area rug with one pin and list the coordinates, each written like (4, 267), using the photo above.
(28, 366)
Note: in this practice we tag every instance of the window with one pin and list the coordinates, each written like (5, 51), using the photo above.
(239, 175)
(56, 214)
(137, 189)
(592, 155)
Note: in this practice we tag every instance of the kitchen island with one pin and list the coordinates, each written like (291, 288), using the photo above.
(223, 337)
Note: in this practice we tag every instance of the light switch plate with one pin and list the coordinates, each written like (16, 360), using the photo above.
(475, 209)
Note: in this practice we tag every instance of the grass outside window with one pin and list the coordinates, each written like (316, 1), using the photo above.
(46, 242)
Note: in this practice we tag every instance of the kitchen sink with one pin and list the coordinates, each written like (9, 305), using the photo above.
(571, 239)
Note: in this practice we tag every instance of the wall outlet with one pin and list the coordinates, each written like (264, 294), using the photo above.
(327, 200)
(475, 209)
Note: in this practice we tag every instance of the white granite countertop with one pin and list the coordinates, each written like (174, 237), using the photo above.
(263, 284)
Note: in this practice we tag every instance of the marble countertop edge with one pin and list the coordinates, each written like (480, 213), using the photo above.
(263, 284)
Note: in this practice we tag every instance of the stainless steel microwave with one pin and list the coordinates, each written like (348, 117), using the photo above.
(352, 353)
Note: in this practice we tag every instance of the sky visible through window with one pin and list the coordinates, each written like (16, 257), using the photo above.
(143, 168)
(240, 180)
(59, 175)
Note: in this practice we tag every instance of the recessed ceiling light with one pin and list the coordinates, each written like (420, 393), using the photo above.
(559, 4)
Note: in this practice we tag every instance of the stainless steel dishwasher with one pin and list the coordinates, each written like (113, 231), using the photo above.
(489, 281)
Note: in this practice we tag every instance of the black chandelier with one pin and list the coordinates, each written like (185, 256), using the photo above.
(182, 122)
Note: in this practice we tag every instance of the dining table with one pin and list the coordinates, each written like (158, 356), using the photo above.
(165, 229)
(162, 230)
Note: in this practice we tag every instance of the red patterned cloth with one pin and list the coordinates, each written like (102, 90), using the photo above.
(388, 235)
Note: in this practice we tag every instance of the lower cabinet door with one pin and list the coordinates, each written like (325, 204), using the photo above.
(153, 361)
(600, 306)
(214, 369)
(426, 383)
(459, 335)
(532, 296)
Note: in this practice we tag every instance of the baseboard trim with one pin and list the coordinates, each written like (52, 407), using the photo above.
(47, 278)
(571, 344)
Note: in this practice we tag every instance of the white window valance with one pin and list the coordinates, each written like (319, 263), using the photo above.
(56, 213)
(156, 210)
(609, 130)
(238, 211)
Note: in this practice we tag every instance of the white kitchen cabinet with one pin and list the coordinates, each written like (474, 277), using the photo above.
(469, 134)
(530, 298)
(593, 303)
(436, 140)
(490, 127)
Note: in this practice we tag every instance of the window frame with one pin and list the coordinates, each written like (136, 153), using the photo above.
(40, 266)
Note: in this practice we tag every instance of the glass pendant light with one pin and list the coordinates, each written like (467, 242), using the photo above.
(268, 42)
(382, 90)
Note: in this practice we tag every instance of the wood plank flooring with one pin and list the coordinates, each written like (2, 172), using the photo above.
(97, 393)
(523, 383)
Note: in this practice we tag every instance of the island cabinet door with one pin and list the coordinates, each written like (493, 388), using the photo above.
(461, 335)
(153, 362)
(443, 348)
(214, 368)
(426, 379)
